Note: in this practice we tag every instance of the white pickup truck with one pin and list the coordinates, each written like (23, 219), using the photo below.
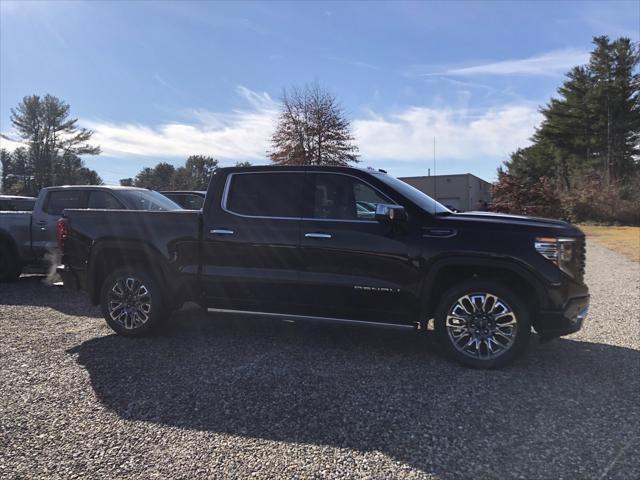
(29, 239)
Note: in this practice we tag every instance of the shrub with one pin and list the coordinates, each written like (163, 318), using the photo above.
(590, 200)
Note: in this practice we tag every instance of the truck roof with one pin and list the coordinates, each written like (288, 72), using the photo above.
(183, 192)
(92, 187)
(15, 197)
(328, 168)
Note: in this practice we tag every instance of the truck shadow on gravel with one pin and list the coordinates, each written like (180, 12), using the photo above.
(375, 390)
(36, 291)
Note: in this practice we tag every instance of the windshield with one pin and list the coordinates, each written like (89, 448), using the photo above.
(422, 200)
(147, 200)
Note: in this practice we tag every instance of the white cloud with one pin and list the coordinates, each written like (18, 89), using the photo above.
(556, 62)
(8, 143)
(460, 135)
(475, 139)
(238, 135)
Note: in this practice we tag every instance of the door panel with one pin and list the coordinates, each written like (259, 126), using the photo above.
(250, 261)
(354, 267)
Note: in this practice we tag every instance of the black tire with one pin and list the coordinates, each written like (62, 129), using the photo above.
(507, 338)
(130, 321)
(10, 268)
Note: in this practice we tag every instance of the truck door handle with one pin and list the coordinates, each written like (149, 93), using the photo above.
(438, 232)
(221, 231)
(317, 235)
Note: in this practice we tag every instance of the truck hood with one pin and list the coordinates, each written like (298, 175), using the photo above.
(555, 226)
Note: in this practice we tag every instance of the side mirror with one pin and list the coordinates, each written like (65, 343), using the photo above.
(390, 213)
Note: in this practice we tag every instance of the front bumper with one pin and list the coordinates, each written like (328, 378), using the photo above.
(555, 323)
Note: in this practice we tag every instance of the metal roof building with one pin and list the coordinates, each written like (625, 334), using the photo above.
(462, 191)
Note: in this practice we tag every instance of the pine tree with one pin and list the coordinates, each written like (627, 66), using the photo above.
(51, 135)
(594, 123)
(5, 163)
(589, 140)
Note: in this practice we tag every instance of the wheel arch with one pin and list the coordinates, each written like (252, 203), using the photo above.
(6, 238)
(446, 272)
(107, 256)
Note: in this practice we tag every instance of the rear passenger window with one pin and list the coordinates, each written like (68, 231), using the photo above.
(192, 202)
(17, 205)
(24, 205)
(103, 200)
(265, 194)
(61, 199)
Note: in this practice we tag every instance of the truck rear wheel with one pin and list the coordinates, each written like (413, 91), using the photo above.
(131, 302)
(10, 268)
(482, 324)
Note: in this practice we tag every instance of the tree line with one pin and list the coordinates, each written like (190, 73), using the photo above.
(194, 175)
(584, 162)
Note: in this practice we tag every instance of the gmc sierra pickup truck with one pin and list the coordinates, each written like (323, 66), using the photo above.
(335, 244)
(28, 239)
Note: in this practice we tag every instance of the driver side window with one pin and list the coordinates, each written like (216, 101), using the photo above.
(342, 197)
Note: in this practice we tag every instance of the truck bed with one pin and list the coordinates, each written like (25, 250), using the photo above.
(169, 237)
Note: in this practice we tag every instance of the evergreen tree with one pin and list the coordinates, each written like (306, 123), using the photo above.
(70, 170)
(54, 141)
(199, 169)
(194, 175)
(243, 164)
(594, 123)
(158, 178)
(589, 140)
(145, 179)
(5, 163)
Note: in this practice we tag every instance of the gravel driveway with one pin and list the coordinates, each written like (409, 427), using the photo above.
(237, 397)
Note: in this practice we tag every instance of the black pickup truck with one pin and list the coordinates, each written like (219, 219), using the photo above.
(336, 244)
(28, 237)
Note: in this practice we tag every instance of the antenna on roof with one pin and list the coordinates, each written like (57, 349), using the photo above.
(435, 185)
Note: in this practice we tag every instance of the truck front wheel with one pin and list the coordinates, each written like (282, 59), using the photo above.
(482, 324)
(131, 302)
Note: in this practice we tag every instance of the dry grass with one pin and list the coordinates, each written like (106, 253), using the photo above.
(625, 240)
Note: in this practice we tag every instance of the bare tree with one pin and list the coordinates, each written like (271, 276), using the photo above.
(312, 130)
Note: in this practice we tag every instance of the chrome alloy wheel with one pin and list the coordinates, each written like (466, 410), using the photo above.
(481, 325)
(129, 302)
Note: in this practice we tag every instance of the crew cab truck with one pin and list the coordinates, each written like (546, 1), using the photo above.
(28, 239)
(292, 242)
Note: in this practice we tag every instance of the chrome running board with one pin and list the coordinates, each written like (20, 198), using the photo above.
(287, 316)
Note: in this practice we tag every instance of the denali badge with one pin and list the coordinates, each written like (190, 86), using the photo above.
(376, 289)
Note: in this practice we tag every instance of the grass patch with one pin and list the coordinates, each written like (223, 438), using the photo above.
(625, 240)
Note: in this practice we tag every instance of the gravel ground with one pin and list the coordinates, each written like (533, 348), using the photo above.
(237, 397)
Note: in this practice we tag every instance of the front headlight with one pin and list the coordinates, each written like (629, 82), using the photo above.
(560, 251)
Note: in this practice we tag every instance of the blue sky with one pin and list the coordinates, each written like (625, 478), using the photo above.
(160, 81)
